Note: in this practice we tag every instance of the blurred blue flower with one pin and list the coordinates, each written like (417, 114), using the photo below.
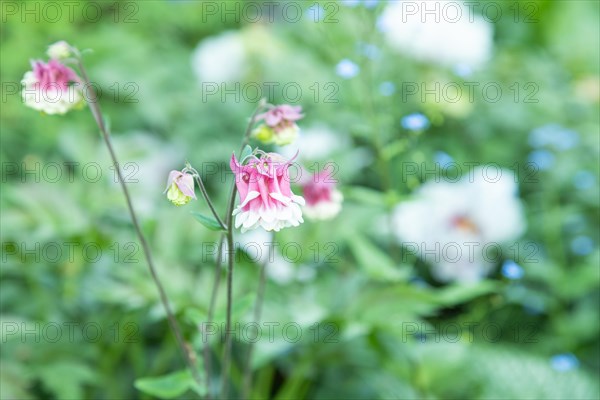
(368, 50)
(543, 159)
(584, 180)
(533, 309)
(442, 158)
(350, 3)
(555, 136)
(575, 223)
(315, 13)
(415, 122)
(382, 25)
(419, 282)
(421, 337)
(512, 270)
(347, 69)
(387, 88)
(582, 245)
(463, 70)
(371, 3)
(564, 362)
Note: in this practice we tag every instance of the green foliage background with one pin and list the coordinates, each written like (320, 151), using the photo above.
(370, 294)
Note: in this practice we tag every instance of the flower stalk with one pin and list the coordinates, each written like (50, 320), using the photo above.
(198, 178)
(230, 262)
(186, 351)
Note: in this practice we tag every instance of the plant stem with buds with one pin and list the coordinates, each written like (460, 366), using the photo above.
(231, 251)
(187, 352)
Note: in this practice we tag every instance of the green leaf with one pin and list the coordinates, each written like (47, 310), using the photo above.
(168, 386)
(457, 294)
(53, 377)
(364, 195)
(375, 262)
(245, 153)
(208, 222)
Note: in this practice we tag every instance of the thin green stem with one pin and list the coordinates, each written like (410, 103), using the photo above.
(208, 201)
(227, 349)
(230, 263)
(186, 350)
(211, 311)
(260, 292)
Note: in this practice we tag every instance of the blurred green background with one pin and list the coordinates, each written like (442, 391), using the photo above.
(80, 315)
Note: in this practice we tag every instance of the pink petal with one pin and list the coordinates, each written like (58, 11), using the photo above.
(185, 183)
(172, 176)
(273, 118)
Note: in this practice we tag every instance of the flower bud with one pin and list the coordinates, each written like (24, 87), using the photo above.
(263, 133)
(280, 126)
(180, 188)
(59, 50)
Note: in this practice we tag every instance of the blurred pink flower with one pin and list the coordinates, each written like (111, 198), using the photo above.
(280, 114)
(53, 74)
(51, 87)
(323, 200)
(180, 188)
(265, 194)
(280, 125)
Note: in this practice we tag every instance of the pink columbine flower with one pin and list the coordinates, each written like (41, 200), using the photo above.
(180, 188)
(323, 200)
(51, 87)
(266, 198)
(279, 125)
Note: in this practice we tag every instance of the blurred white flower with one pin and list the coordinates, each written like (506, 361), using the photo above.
(317, 142)
(220, 58)
(454, 40)
(456, 226)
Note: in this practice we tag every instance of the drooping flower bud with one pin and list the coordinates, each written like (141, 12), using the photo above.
(52, 88)
(323, 200)
(266, 199)
(279, 126)
(59, 50)
(180, 188)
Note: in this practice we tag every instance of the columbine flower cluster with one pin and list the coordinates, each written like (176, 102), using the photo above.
(266, 198)
(52, 87)
(263, 183)
(279, 126)
(262, 179)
